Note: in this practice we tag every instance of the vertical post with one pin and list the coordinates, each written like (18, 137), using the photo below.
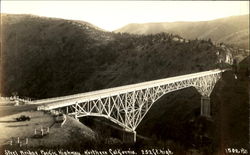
(205, 106)
(16, 103)
(67, 110)
(18, 140)
(126, 108)
(133, 110)
(76, 111)
(134, 132)
(42, 131)
(76, 117)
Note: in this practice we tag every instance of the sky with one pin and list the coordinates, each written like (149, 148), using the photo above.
(111, 15)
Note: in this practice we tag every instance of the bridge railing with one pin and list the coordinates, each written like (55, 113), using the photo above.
(71, 99)
(126, 87)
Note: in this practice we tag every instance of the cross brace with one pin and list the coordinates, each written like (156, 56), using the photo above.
(129, 108)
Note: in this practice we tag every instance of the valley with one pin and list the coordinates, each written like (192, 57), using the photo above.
(47, 57)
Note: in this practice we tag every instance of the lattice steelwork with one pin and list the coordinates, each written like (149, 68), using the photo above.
(127, 106)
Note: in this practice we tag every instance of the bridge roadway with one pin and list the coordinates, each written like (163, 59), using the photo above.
(58, 102)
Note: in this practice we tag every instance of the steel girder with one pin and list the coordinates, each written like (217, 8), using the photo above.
(129, 108)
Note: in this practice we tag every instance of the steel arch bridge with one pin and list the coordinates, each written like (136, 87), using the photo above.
(127, 105)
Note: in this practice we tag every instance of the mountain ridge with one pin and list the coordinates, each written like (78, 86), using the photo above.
(192, 30)
(47, 58)
(41, 55)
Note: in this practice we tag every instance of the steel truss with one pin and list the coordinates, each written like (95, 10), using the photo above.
(129, 108)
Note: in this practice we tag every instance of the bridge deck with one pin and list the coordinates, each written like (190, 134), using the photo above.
(57, 102)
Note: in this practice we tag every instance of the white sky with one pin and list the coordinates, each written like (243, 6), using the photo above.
(111, 15)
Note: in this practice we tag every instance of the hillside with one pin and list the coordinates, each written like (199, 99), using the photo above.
(176, 116)
(230, 30)
(71, 130)
(46, 57)
(40, 55)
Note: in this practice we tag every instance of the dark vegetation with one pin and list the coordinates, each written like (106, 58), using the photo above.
(23, 118)
(44, 57)
(180, 121)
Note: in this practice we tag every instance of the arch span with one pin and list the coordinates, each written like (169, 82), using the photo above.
(127, 105)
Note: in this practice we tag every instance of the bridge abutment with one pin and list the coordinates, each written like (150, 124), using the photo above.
(129, 137)
(205, 106)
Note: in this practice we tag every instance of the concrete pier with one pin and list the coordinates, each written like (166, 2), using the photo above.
(129, 137)
(205, 106)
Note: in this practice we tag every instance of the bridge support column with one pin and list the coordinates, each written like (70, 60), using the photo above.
(67, 110)
(205, 106)
(76, 118)
(129, 137)
(134, 132)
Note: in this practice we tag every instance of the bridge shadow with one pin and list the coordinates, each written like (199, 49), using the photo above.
(8, 121)
(230, 100)
(14, 126)
(105, 128)
(243, 69)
